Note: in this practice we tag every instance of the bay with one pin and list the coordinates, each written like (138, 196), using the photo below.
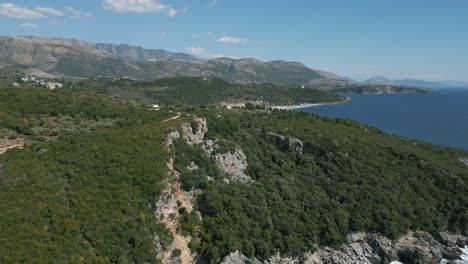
(440, 118)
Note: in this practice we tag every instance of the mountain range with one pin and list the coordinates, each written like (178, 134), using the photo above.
(416, 83)
(77, 59)
(55, 57)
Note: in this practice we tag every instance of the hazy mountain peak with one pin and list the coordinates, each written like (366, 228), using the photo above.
(378, 80)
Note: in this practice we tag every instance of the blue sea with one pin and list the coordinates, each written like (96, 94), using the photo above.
(440, 118)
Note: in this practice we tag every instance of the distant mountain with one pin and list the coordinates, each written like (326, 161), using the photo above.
(378, 80)
(123, 51)
(76, 58)
(72, 58)
(417, 83)
(453, 84)
(333, 76)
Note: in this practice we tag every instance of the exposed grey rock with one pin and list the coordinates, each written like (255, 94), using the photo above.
(356, 237)
(287, 143)
(238, 258)
(447, 239)
(171, 137)
(233, 163)
(464, 161)
(451, 240)
(192, 166)
(195, 135)
(414, 248)
(210, 146)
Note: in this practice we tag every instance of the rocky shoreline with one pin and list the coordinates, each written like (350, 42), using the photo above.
(365, 248)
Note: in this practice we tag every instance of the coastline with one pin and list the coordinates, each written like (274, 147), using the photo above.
(305, 105)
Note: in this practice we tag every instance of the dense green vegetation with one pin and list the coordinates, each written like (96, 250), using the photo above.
(198, 91)
(84, 197)
(350, 178)
(88, 193)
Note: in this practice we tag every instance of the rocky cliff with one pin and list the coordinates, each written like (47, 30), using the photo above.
(414, 248)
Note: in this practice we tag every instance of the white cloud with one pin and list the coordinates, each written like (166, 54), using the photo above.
(197, 51)
(28, 25)
(163, 34)
(49, 11)
(203, 53)
(138, 6)
(172, 12)
(12, 10)
(232, 40)
(77, 14)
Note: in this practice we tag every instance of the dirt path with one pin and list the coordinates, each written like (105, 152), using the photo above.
(173, 118)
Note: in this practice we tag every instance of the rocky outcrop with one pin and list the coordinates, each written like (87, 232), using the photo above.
(464, 161)
(238, 258)
(171, 137)
(233, 163)
(414, 248)
(194, 133)
(174, 198)
(6, 144)
(287, 143)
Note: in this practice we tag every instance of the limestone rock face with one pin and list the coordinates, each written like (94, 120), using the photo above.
(287, 143)
(233, 163)
(194, 134)
(238, 258)
(413, 248)
(451, 240)
(171, 137)
(464, 161)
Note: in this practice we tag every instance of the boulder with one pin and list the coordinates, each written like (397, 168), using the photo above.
(287, 143)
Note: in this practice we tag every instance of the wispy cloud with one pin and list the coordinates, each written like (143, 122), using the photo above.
(232, 40)
(139, 6)
(15, 11)
(203, 34)
(20, 12)
(49, 11)
(212, 3)
(197, 51)
(28, 25)
(204, 53)
(77, 14)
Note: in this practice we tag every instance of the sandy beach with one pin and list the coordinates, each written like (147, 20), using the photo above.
(299, 106)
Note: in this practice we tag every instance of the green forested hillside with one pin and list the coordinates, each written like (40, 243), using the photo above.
(350, 178)
(85, 197)
(196, 91)
(87, 192)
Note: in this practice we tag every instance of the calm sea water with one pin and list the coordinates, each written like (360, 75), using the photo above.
(440, 118)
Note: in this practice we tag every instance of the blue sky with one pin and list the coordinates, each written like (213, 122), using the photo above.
(356, 38)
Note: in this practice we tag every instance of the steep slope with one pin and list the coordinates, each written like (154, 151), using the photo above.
(74, 58)
(123, 51)
(333, 76)
(313, 180)
(264, 182)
